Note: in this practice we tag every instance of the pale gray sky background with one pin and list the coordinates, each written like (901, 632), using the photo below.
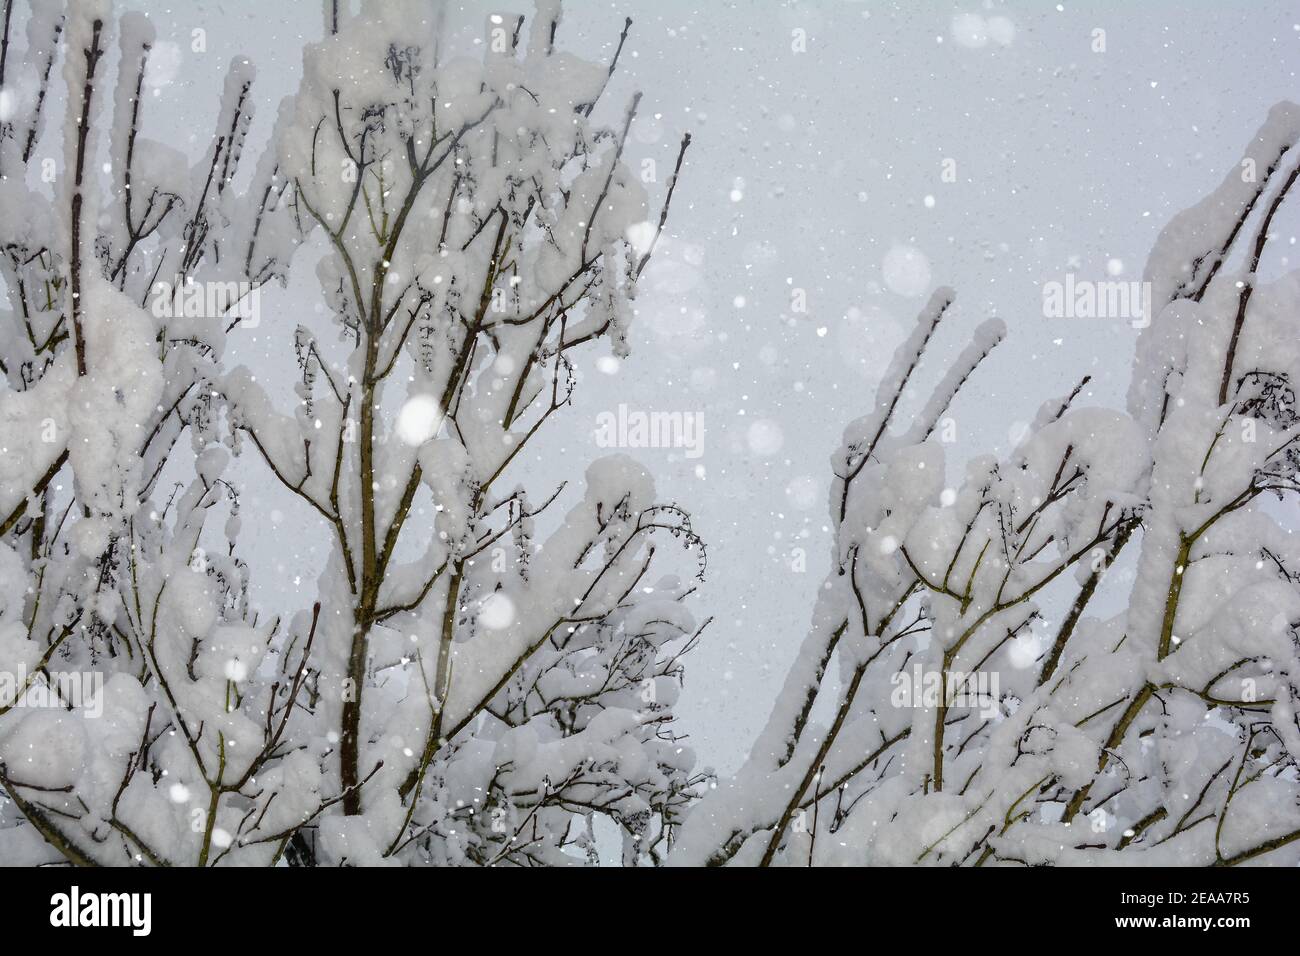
(807, 170)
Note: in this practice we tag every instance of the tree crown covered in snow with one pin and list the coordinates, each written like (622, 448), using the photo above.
(481, 676)
(975, 712)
